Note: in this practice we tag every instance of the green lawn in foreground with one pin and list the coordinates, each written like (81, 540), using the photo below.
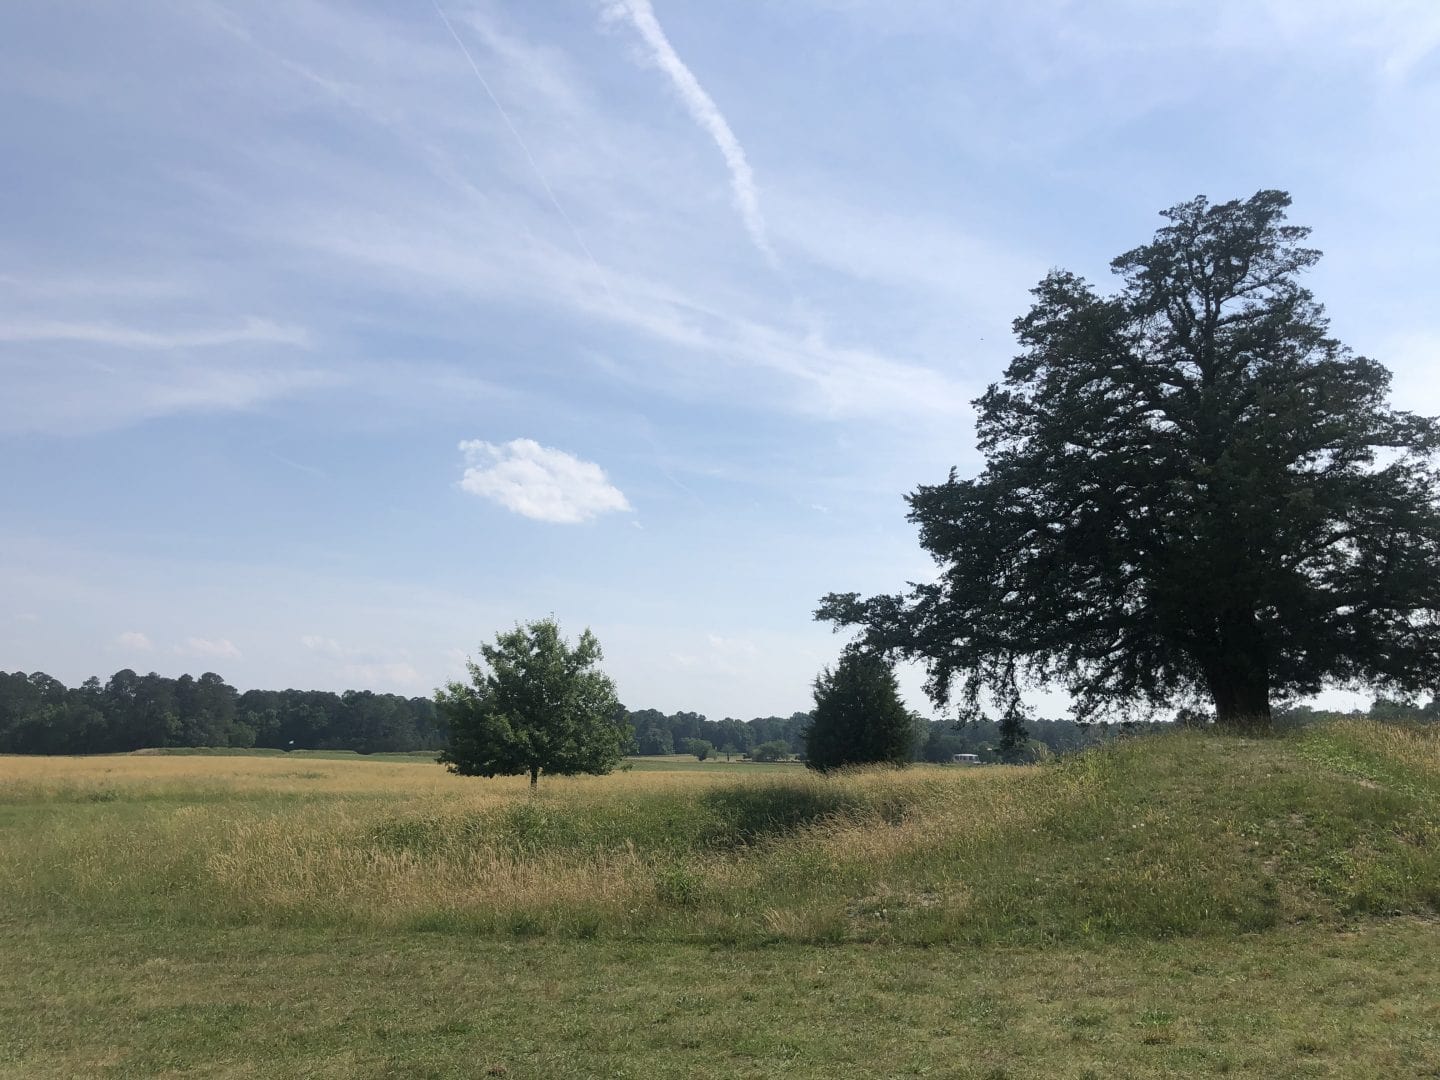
(258, 1001)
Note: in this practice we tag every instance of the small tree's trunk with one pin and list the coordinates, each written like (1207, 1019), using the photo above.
(534, 776)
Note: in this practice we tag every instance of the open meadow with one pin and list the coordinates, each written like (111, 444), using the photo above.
(1185, 903)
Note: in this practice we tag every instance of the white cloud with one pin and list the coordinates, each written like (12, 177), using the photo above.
(705, 112)
(539, 482)
(216, 648)
(135, 640)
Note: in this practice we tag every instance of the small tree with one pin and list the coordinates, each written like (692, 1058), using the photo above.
(774, 750)
(701, 748)
(536, 705)
(859, 718)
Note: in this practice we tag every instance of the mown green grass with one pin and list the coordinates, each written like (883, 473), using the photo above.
(1213, 881)
(262, 1001)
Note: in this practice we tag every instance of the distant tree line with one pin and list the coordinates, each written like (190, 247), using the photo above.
(40, 715)
(1382, 709)
(658, 733)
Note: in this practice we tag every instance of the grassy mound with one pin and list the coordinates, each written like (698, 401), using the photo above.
(1176, 835)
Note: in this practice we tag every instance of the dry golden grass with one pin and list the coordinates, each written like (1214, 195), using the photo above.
(392, 843)
(151, 776)
(1413, 747)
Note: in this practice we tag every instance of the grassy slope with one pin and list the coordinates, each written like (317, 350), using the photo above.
(1181, 904)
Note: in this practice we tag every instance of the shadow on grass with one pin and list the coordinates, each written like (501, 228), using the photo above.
(726, 818)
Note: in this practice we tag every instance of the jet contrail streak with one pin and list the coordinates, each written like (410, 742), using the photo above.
(706, 113)
(534, 165)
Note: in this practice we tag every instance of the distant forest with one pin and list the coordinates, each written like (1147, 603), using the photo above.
(40, 715)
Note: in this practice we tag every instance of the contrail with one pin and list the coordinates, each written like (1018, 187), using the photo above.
(534, 165)
(707, 114)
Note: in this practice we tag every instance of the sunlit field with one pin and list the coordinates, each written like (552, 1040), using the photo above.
(984, 921)
(730, 852)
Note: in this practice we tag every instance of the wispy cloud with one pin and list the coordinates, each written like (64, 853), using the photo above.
(252, 331)
(818, 375)
(74, 373)
(364, 668)
(382, 676)
(80, 395)
(135, 641)
(211, 648)
(705, 112)
(326, 646)
(539, 482)
(515, 133)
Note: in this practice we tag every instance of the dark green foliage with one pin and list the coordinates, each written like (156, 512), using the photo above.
(1191, 490)
(701, 748)
(657, 733)
(858, 718)
(942, 740)
(39, 715)
(654, 739)
(537, 705)
(1014, 738)
(770, 751)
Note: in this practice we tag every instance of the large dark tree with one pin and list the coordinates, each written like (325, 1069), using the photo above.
(536, 705)
(858, 718)
(1191, 490)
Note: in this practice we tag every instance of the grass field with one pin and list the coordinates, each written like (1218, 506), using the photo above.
(1184, 904)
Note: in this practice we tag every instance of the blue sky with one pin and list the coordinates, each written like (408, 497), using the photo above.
(338, 336)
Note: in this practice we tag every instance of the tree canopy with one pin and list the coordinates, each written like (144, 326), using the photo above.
(858, 718)
(129, 711)
(1191, 490)
(537, 705)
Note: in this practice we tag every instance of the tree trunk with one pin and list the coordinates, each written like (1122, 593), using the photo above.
(1242, 700)
(534, 776)
(1239, 673)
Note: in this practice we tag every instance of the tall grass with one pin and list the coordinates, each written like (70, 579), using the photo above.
(1182, 834)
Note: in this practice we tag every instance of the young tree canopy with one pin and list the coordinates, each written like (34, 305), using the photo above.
(701, 748)
(858, 718)
(537, 705)
(1191, 490)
